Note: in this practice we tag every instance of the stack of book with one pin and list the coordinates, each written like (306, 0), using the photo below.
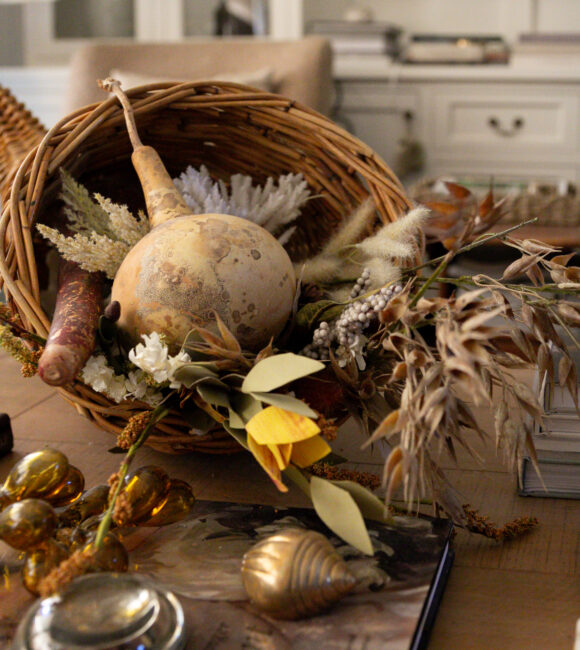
(359, 37)
(557, 442)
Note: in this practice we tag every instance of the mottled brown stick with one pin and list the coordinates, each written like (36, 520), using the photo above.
(74, 325)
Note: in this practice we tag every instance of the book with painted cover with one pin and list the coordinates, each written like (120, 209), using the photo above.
(393, 605)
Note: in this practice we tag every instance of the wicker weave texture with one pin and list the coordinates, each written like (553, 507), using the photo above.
(226, 127)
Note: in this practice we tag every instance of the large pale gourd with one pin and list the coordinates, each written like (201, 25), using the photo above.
(191, 266)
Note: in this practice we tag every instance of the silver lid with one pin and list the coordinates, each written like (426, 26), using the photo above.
(104, 611)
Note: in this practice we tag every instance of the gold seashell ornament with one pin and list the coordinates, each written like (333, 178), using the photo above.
(295, 573)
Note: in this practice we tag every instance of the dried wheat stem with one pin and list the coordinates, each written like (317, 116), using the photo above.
(474, 244)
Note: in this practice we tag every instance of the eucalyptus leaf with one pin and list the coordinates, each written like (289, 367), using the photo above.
(278, 370)
(369, 504)
(236, 421)
(295, 475)
(245, 406)
(286, 402)
(315, 312)
(214, 395)
(340, 512)
(197, 419)
(189, 373)
(238, 435)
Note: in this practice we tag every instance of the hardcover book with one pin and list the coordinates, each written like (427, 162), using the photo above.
(394, 604)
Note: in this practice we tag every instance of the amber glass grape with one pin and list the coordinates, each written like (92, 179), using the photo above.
(40, 561)
(35, 475)
(26, 523)
(70, 490)
(112, 556)
(177, 504)
(92, 502)
(144, 489)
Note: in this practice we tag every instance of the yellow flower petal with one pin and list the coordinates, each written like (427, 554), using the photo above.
(268, 462)
(276, 426)
(282, 454)
(307, 452)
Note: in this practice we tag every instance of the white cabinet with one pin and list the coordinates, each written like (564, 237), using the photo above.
(508, 127)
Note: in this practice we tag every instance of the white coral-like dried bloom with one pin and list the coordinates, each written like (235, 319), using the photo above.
(272, 206)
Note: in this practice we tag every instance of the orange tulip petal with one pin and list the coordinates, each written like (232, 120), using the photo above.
(282, 454)
(307, 452)
(268, 462)
(276, 426)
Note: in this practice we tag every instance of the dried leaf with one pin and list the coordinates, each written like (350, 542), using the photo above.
(527, 399)
(386, 428)
(569, 313)
(286, 402)
(230, 341)
(339, 511)
(399, 372)
(520, 266)
(370, 506)
(276, 371)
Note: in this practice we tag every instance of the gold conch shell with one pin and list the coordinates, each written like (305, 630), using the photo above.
(295, 573)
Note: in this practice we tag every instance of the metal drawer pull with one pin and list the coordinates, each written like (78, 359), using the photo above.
(495, 124)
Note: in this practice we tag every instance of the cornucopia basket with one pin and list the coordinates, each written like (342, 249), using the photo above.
(226, 127)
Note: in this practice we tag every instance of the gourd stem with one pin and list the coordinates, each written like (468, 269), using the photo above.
(113, 86)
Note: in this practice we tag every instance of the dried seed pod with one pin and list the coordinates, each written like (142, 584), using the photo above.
(40, 561)
(26, 523)
(295, 573)
(35, 475)
(144, 490)
(92, 502)
(177, 504)
(70, 490)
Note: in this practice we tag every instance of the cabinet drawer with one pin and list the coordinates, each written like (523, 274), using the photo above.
(506, 120)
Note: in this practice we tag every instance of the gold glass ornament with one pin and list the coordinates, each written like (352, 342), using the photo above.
(35, 475)
(295, 573)
(92, 502)
(40, 561)
(177, 504)
(26, 523)
(70, 489)
(112, 556)
(144, 489)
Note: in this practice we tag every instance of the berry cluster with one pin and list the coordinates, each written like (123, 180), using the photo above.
(345, 335)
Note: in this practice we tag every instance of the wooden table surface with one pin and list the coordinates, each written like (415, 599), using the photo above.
(520, 594)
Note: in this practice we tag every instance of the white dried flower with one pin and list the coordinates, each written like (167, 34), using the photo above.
(97, 373)
(101, 377)
(153, 357)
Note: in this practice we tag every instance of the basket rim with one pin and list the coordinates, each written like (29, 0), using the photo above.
(363, 170)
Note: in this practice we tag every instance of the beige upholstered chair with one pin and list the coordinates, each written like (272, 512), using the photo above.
(299, 69)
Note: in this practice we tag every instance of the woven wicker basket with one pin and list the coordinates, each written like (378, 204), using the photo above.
(226, 127)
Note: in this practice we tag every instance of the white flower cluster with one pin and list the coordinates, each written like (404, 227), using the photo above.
(99, 375)
(151, 358)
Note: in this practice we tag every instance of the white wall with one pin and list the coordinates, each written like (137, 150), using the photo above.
(10, 35)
